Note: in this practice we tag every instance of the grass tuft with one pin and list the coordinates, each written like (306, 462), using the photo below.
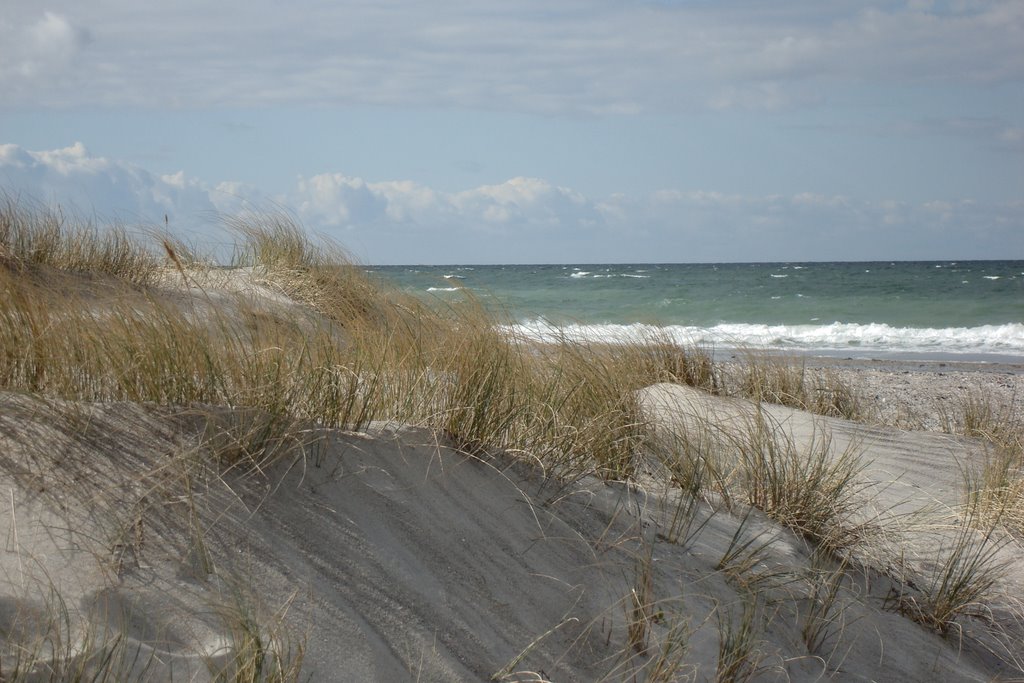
(994, 488)
(738, 657)
(34, 237)
(823, 616)
(812, 491)
(787, 381)
(261, 648)
(968, 566)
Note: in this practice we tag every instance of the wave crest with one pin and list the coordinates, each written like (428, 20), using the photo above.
(985, 339)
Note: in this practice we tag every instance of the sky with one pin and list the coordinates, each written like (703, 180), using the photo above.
(538, 131)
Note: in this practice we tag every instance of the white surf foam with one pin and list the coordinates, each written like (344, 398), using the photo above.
(985, 339)
(587, 273)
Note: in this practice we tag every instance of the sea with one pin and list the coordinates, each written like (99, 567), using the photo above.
(970, 311)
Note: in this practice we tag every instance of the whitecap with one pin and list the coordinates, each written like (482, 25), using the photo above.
(784, 275)
(990, 277)
(1001, 339)
(580, 273)
(443, 289)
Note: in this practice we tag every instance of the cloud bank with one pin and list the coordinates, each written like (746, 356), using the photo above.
(530, 220)
(541, 56)
(73, 176)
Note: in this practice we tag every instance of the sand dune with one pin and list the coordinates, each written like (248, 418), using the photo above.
(392, 557)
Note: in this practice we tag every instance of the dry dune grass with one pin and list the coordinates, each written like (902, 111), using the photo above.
(35, 236)
(785, 381)
(995, 487)
(94, 316)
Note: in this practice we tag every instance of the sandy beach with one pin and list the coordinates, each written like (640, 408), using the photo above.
(922, 394)
(208, 483)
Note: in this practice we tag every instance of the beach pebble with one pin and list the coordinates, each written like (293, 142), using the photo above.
(917, 395)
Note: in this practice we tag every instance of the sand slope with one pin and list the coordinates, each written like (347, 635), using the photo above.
(393, 557)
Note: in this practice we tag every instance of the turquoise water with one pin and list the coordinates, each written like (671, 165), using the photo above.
(869, 309)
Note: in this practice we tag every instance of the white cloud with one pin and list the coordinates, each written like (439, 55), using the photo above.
(113, 190)
(811, 199)
(530, 219)
(523, 201)
(39, 47)
(70, 160)
(232, 197)
(55, 36)
(406, 199)
(338, 200)
(334, 199)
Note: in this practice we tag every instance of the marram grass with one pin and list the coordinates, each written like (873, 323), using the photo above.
(94, 314)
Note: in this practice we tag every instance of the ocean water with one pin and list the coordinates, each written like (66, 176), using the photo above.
(962, 310)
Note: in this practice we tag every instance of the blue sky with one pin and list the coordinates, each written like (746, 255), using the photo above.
(538, 131)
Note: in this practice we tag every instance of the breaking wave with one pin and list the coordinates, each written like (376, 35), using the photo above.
(985, 339)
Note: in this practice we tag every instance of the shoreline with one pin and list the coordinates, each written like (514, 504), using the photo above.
(1005, 356)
